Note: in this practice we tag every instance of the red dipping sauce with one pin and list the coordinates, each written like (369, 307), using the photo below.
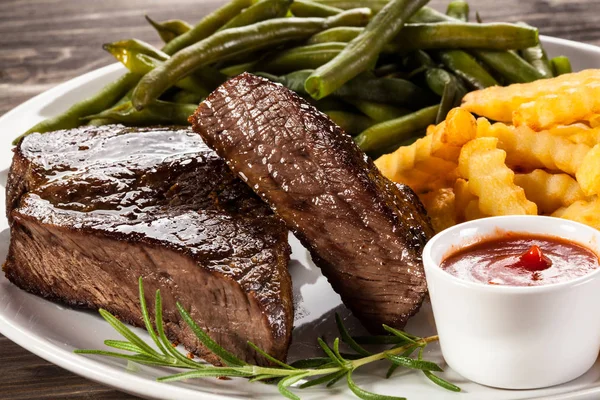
(521, 260)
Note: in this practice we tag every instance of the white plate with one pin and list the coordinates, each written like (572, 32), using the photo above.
(52, 331)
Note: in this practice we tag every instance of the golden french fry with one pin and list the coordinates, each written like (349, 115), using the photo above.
(472, 211)
(549, 191)
(575, 104)
(415, 166)
(440, 208)
(462, 198)
(569, 130)
(482, 164)
(430, 130)
(591, 137)
(588, 174)
(594, 120)
(586, 212)
(498, 103)
(527, 149)
(461, 127)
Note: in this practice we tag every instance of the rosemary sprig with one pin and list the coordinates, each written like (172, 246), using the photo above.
(327, 370)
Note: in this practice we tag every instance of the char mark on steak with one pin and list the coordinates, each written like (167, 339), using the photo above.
(93, 209)
(365, 232)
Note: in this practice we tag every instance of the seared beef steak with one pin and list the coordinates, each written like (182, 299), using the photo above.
(93, 209)
(365, 232)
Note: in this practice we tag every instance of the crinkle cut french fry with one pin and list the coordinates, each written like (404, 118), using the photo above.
(440, 208)
(498, 103)
(462, 198)
(473, 211)
(586, 212)
(528, 149)
(588, 174)
(461, 127)
(549, 191)
(415, 166)
(572, 105)
(569, 130)
(449, 136)
(591, 137)
(482, 164)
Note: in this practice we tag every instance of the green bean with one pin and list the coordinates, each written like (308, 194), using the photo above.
(235, 70)
(561, 65)
(108, 121)
(365, 87)
(509, 65)
(362, 52)
(185, 97)
(458, 9)
(496, 36)
(385, 134)
(263, 10)
(375, 5)
(233, 42)
(307, 8)
(343, 34)
(304, 57)
(536, 56)
(448, 87)
(207, 26)
(379, 112)
(210, 77)
(351, 123)
(169, 30)
(158, 112)
(100, 101)
(466, 67)
(437, 79)
(138, 57)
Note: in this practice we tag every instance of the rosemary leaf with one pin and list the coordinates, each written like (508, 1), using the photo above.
(330, 353)
(322, 379)
(346, 338)
(146, 317)
(393, 367)
(335, 379)
(364, 394)
(336, 349)
(123, 345)
(138, 358)
(210, 344)
(408, 362)
(269, 357)
(163, 337)
(311, 362)
(127, 333)
(379, 339)
(287, 382)
(205, 373)
(441, 382)
(398, 333)
(263, 377)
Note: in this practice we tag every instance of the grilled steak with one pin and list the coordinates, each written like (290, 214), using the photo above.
(363, 231)
(93, 209)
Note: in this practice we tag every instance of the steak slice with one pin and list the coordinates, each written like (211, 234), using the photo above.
(365, 232)
(93, 209)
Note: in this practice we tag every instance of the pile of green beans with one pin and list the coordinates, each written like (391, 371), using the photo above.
(381, 69)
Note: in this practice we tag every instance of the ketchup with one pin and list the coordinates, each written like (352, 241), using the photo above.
(521, 260)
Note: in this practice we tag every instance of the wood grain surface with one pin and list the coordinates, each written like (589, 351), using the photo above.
(46, 42)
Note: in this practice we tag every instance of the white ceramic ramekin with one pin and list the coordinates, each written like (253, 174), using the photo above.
(515, 337)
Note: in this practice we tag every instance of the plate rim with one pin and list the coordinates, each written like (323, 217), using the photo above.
(94, 370)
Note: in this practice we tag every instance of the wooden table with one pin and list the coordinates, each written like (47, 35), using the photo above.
(46, 42)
